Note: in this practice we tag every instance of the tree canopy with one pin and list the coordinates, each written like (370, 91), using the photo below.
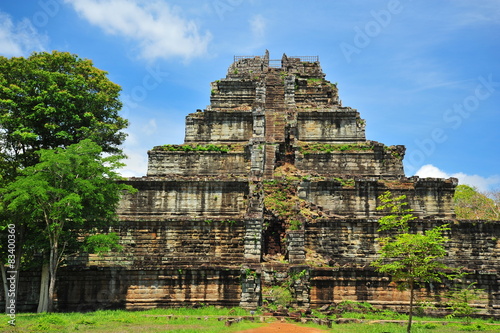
(470, 204)
(56, 99)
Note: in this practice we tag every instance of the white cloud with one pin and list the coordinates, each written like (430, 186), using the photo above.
(481, 183)
(136, 161)
(258, 26)
(431, 171)
(19, 39)
(159, 29)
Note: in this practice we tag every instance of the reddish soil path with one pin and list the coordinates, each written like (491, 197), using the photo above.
(279, 327)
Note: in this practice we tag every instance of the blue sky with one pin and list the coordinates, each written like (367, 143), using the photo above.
(423, 74)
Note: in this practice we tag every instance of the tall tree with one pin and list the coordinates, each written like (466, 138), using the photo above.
(409, 258)
(51, 100)
(70, 191)
(470, 204)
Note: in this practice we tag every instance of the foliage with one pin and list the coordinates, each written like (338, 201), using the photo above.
(295, 225)
(398, 217)
(329, 147)
(459, 301)
(350, 182)
(49, 101)
(312, 80)
(187, 147)
(279, 295)
(293, 277)
(409, 258)
(282, 201)
(102, 243)
(472, 328)
(470, 204)
(249, 273)
(70, 190)
(56, 99)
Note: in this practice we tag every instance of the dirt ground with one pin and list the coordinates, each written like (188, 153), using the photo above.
(279, 327)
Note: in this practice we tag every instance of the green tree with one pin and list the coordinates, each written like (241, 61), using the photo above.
(50, 100)
(70, 191)
(460, 299)
(409, 258)
(470, 204)
(56, 99)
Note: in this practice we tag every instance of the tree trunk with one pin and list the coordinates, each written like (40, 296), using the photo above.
(43, 300)
(53, 263)
(410, 317)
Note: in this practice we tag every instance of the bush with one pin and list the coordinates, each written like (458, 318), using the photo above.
(280, 296)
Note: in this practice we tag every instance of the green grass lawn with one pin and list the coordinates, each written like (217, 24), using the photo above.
(157, 320)
(206, 319)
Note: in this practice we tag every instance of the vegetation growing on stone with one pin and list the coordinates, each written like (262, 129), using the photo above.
(314, 80)
(198, 147)
(281, 200)
(346, 182)
(329, 147)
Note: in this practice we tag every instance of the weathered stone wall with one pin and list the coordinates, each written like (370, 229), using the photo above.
(219, 127)
(330, 125)
(203, 163)
(361, 163)
(195, 198)
(329, 285)
(150, 242)
(112, 288)
(84, 289)
(351, 242)
(315, 93)
(233, 94)
(359, 197)
(246, 67)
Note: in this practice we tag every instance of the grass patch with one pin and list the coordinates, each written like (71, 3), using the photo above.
(186, 320)
(206, 319)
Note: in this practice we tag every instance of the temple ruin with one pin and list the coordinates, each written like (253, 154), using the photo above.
(276, 180)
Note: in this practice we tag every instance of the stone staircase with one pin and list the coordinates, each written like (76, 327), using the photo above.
(275, 119)
(275, 107)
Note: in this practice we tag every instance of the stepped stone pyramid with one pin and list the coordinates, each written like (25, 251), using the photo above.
(266, 122)
(275, 182)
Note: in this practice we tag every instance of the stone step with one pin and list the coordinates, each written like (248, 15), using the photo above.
(270, 161)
